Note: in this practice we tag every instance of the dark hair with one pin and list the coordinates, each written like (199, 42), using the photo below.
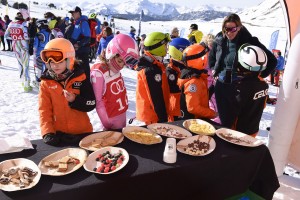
(108, 30)
(279, 53)
(231, 18)
(105, 23)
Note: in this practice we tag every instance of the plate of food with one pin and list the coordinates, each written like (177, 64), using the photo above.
(63, 162)
(198, 145)
(18, 174)
(141, 135)
(106, 160)
(99, 140)
(239, 138)
(199, 126)
(169, 130)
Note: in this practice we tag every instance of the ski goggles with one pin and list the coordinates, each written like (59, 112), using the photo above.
(230, 29)
(164, 41)
(55, 56)
(131, 61)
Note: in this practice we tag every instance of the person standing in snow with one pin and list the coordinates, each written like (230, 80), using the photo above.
(279, 68)
(236, 85)
(66, 95)
(18, 32)
(8, 41)
(195, 35)
(108, 83)
(105, 39)
(2, 31)
(152, 91)
(81, 38)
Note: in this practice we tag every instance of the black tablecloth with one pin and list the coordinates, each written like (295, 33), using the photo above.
(229, 170)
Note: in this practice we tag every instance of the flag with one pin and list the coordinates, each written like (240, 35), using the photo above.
(273, 41)
(140, 22)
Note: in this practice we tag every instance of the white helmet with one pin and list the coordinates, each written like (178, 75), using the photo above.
(252, 58)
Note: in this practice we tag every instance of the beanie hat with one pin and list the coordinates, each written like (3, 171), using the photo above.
(194, 26)
(132, 29)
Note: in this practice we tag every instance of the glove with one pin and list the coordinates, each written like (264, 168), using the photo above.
(69, 139)
(51, 139)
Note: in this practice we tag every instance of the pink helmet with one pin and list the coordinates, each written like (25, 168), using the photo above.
(126, 47)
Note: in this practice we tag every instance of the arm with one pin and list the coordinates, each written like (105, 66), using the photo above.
(45, 110)
(85, 101)
(86, 33)
(98, 84)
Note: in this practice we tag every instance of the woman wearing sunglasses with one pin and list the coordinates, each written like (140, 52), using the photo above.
(66, 94)
(108, 83)
(230, 75)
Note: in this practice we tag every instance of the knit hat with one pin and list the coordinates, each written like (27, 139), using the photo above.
(194, 26)
(132, 29)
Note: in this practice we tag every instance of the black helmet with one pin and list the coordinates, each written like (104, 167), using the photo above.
(41, 23)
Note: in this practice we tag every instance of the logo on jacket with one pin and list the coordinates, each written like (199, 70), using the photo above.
(157, 77)
(117, 87)
(76, 85)
(192, 88)
(52, 87)
(260, 94)
(172, 77)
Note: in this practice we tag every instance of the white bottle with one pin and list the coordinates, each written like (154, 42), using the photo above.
(170, 154)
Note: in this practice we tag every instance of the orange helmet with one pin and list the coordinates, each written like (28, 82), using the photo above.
(57, 50)
(195, 56)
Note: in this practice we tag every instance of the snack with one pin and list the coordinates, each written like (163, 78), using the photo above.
(143, 137)
(205, 129)
(62, 164)
(168, 132)
(197, 148)
(21, 177)
(108, 162)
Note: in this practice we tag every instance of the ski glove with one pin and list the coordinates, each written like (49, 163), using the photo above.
(51, 139)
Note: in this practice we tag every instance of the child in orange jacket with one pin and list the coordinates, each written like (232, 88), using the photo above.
(193, 84)
(66, 95)
(152, 91)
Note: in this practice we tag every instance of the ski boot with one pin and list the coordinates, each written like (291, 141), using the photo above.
(27, 87)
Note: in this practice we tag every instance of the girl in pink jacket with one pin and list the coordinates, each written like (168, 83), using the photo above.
(108, 83)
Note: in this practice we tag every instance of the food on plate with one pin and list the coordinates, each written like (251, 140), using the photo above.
(62, 164)
(201, 128)
(108, 162)
(230, 137)
(19, 176)
(143, 137)
(107, 140)
(197, 147)
(168, 131)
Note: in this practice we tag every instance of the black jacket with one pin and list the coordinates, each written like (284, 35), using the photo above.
(218, 52)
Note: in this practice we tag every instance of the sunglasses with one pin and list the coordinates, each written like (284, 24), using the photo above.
(55, 56)
(231, 29)
(131, 61)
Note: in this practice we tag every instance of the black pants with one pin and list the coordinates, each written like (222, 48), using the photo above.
(9, 43)
(84, 57)
(241, 104)
(2, 41)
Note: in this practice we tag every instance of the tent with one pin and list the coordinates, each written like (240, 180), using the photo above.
(284, 140)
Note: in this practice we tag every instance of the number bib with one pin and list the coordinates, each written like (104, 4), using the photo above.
(16, 31)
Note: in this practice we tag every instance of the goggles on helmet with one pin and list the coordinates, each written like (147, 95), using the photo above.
(164, 41)
(198, 55)
(131, 61)
(55, 56)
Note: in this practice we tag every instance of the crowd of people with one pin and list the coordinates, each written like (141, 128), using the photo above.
(219, 77)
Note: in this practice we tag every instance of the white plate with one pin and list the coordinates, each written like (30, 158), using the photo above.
(169, 130)
(238, 138)
(20, 163)
(91, 162)
(77, 153)
(209, 129)
(154, 138)
(183, 144)
(99, 140)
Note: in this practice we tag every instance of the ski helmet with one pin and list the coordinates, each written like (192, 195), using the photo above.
(195, 56)
(58, 50)
(176, 47)
(156, 43)
(92, 15)
(252, 58)
(126, 47)
(41, 23)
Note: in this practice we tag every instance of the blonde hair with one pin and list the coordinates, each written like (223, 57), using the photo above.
(208, 39)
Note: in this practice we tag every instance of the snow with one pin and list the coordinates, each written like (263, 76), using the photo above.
(19, 110)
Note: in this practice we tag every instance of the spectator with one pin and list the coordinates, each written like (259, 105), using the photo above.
(2, 31)
(236, 89)
(132, 32)
(195, 35)
(142, 46)
(32, 30)
(81, 37)
(106, 38)
(279, 68)
(174, 33)
(8, 41)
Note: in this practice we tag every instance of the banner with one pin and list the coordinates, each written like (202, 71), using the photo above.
(140, 22)
(273, 41)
